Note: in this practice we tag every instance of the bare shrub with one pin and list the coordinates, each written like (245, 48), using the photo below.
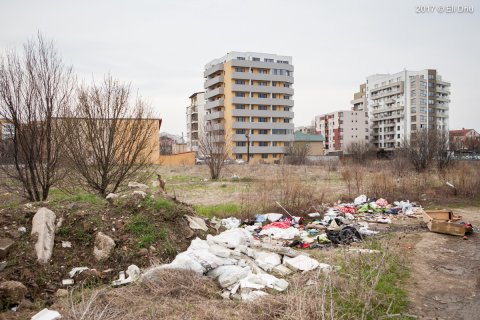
(399, 163)
(35, 88)
(427, 147)
(110, 138)
(359, 151)
(297, 153)
(466, 179)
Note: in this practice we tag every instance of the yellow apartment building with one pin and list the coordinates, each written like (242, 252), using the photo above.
(249, 99)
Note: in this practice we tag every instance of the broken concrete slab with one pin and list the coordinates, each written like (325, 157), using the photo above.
(103, 246)
(43, 227)
(46, 314)
(5, 245)
(196, 223)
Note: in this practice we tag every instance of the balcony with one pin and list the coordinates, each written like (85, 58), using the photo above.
(263, 137)
(261, 77)
(263, 125)
(213, 69)
(267, 101)
(214, 104)
(261, 64)
(214, 115)
(261, 113)
(212, 93)
(263, 89)
(213, 81)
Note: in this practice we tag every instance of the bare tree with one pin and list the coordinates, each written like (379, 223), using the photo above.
(358, 151)
(213, 145)
(35, 88)
(297, 153)
(109, 137)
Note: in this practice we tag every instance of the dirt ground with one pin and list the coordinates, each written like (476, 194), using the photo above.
(445, 273)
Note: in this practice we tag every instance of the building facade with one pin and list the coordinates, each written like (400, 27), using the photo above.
(306, 129)
(249, 98)
(464, 140)
(402, 103)
(195, 120)
(314, 142)
(342, 128)
(359, 102)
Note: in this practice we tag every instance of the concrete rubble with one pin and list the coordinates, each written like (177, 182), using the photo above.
(103, 246)
(43, 227)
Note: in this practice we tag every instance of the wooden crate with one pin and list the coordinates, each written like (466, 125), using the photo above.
(443, 221)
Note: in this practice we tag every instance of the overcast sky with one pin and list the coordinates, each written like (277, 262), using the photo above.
(161, 46)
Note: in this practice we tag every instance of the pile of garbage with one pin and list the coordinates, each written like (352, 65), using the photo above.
(253, 255)
(244, 267)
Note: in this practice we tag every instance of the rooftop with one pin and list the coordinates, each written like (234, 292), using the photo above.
(300, 136)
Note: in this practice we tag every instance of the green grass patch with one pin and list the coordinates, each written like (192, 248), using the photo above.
(57, 195)
(158, 204)
(219, 210)
(145, 231)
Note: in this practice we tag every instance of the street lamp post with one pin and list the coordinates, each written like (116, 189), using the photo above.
(247, 135)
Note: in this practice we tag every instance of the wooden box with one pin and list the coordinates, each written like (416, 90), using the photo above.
(443, 221)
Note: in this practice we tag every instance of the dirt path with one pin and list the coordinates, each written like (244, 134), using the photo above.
(445, 281)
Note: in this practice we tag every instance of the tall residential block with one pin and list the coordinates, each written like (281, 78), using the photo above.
(402, 103)
(195, 120)
(342, 128)
(249, 97)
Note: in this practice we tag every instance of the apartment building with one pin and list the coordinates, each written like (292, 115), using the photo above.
(342, 128)
(359, 102)
(249, 99)
(195, 120)
(306, 129)
(400, 104)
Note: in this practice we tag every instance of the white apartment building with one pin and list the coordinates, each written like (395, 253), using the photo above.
(195, 120)
(342, 128)
(402, 103)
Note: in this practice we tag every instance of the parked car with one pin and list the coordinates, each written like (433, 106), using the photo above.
(200, 160)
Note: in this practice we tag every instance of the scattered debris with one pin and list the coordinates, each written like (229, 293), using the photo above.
(136, 185)
(139, 194)
(103, 246)
(77, 270)
(46, 314)
(133, 273)
(22, 229)
(68, 282)
(66, 244)
(43, 227)
(196, 223)
(111, 197)
(5, 245)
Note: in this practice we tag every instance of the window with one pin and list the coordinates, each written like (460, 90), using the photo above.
(238, 156)
(240, 106)
(398, 136)
(263, 143)
(240, 131)
(262, 108)
(268, 60)
(263, 131)
(413, 118)
(8, 130)
(255, 59)
(262, 95)
(239, 94)
(274, 155)
(241, 58)
(264, 156)
(413, 93)
(274, 108)
(263, 83)
(286, 108)
(398, 128)
(286, 96)
(274, 96)
(239, 81)
(262, 119)
(240, 143)
(263, 71)
(237, 69)
(241, 119)
(274, 143)
(274, 119)
(286, 120)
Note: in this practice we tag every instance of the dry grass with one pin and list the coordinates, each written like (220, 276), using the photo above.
(368, 286)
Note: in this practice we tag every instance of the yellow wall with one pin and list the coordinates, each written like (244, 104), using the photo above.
(180, 159)
(316, 147)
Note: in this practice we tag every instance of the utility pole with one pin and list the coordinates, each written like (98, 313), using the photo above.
(247, 135)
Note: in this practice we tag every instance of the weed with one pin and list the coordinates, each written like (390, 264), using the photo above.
(158, 204)
(218, 210)
(145, 231)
